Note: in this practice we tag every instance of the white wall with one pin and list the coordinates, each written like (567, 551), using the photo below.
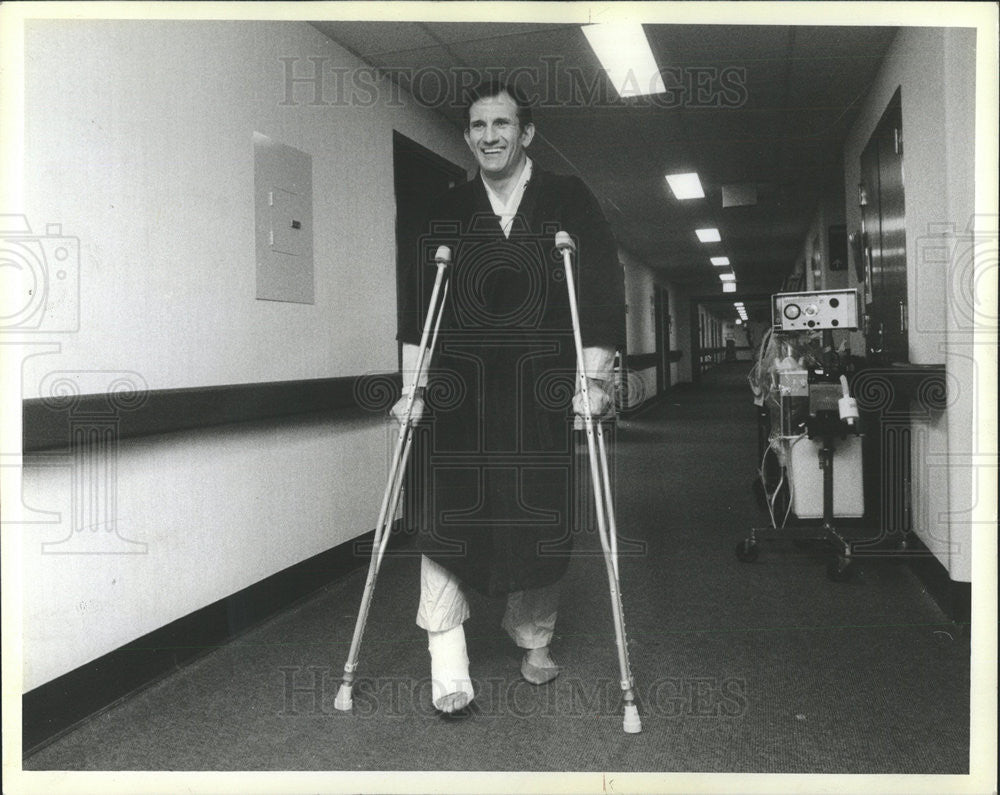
(139, 142)
(816, 256)
(640, 291)
(936, 70)
(641, 284)
(816, 248)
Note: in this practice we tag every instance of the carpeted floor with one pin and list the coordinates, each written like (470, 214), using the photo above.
(762, 667)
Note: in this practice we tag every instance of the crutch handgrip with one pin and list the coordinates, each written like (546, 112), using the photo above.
(443, 256)
(564, 241)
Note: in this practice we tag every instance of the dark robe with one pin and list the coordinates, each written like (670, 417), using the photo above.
(495, 459)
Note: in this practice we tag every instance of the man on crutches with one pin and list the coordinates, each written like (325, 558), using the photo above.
(500, 457)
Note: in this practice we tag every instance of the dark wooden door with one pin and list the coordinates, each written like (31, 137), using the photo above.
(883, 214)
(419, 175)
(662, 320)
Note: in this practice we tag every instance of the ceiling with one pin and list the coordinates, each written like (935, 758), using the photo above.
(773, 108)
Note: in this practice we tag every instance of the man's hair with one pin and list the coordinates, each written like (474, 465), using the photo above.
(487, 89)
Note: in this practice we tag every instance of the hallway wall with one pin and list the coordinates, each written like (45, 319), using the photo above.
(641, 284)
(139, 143)
(935, 68)
(640, 287)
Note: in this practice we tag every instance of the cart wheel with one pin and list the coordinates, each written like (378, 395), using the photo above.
(747, 550)
(840, 569)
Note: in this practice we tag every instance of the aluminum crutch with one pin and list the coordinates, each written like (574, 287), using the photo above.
(397, 473)
(606, 528)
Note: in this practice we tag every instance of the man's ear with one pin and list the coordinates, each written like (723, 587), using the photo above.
(527, 134)
(468, 140)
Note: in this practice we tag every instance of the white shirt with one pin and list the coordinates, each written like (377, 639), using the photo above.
(507, 210)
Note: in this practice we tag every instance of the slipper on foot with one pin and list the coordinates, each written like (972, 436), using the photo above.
(542, 670)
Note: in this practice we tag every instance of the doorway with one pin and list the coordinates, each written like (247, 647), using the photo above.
(663, 321)
(883, 235)
(418, 176)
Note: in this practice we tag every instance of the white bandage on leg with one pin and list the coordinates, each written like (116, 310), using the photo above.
(451, 687)
(443, 608)
(442, 603)
(530, 618)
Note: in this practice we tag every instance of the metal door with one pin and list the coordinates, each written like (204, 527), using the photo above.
(883, 213)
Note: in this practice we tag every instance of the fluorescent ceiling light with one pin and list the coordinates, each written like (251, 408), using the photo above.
(686, 186)
(707, 235)
(720, 261)
(729, 287)
(624, 52)
(728, 277)
(739, 195)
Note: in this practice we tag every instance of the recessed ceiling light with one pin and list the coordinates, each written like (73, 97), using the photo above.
(625, 54)
(729, 287)
(720, 261)
(686, 186)
(740, 195)
(710, 235)
(728, 277)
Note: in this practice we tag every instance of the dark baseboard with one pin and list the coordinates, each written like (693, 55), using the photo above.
(54, 708)
(954, 598)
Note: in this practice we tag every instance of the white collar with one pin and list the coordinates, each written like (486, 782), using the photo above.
(507, 210)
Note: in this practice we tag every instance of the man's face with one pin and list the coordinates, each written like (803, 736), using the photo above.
(496, 138)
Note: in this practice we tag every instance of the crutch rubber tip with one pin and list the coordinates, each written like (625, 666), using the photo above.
(343, 701)
(632, 724)
(443, 255)
(563, 241)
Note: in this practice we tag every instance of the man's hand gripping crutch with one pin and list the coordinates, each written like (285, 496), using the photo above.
(606, 528)
(397, 469)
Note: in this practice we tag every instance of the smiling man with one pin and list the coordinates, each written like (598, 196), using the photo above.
(500, 463)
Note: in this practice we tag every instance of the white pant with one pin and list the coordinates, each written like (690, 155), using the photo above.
(530, 618)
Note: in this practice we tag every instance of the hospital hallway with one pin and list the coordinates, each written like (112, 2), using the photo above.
(766, 667)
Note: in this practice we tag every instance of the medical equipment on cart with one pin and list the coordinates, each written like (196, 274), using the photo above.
(800, 379)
